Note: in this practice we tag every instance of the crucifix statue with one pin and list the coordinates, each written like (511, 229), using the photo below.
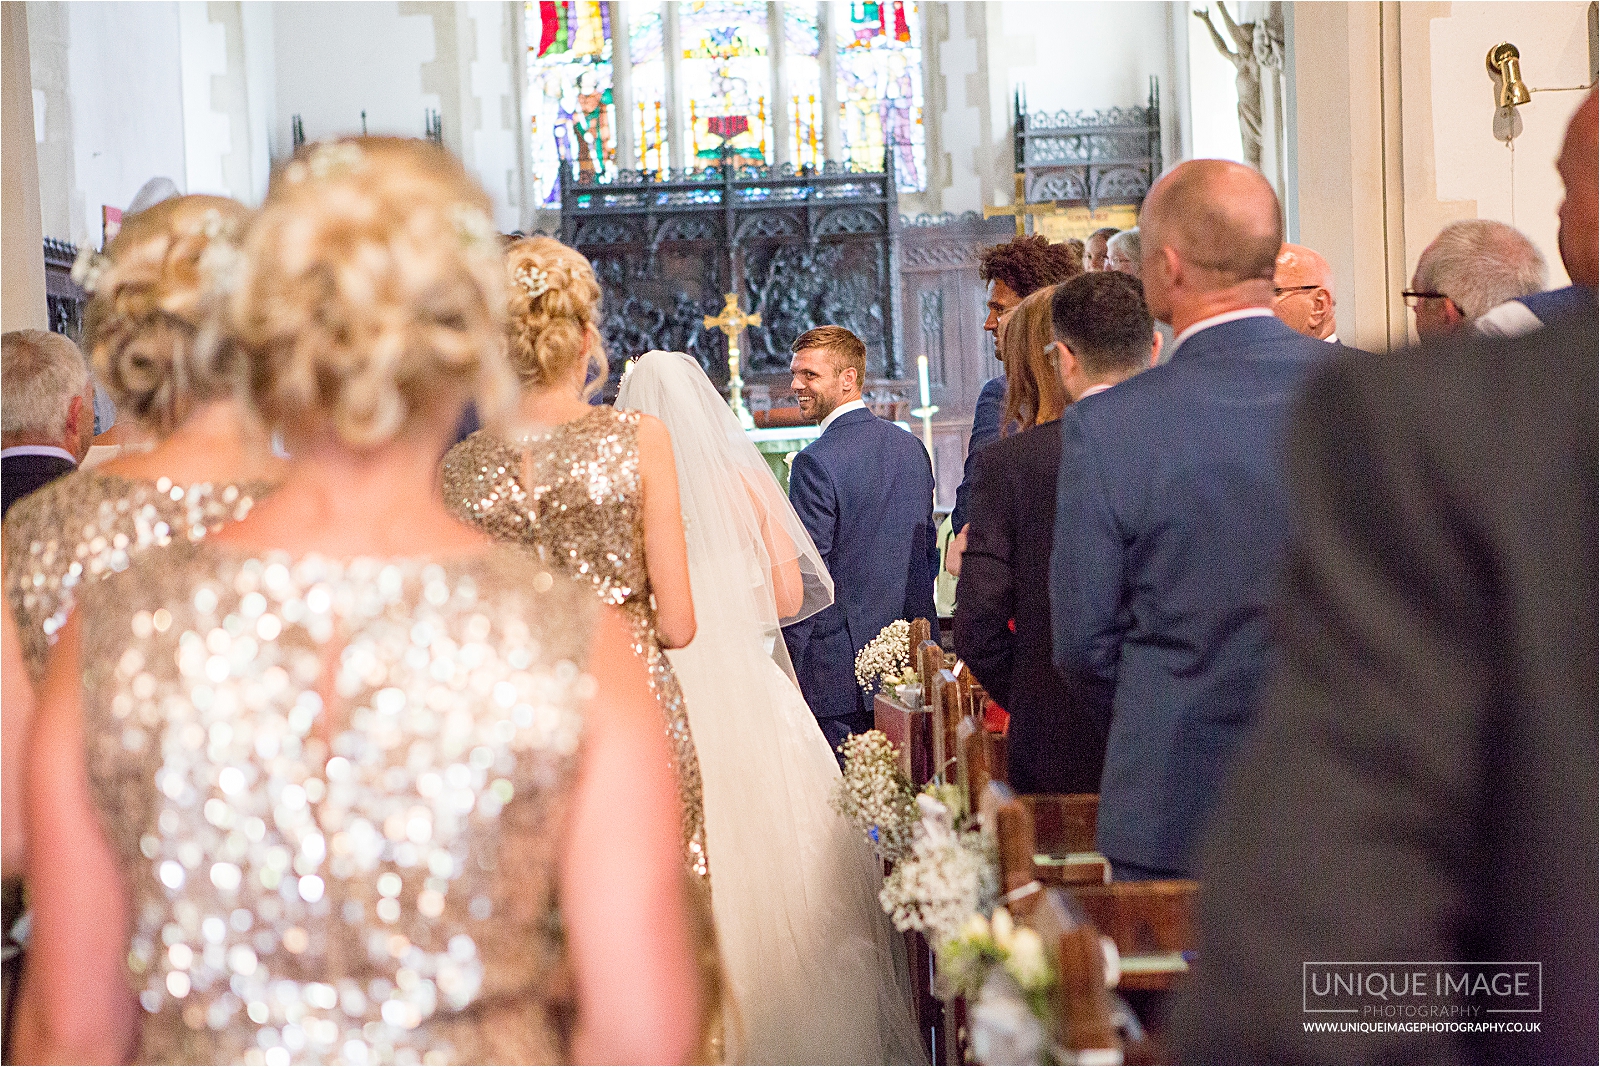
(1247, 80)
(1020, 209)
(732, 322)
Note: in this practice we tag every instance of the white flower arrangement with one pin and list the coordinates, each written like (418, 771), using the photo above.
(945, 878)
(980, 945)
(875, 795)
(537, 282)
(886, 659)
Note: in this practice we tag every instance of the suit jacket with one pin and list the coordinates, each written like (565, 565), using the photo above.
(864, 491)
(985, 428)
(1057, 739)
(21, 475)
(1422, 782)
(1171, 515)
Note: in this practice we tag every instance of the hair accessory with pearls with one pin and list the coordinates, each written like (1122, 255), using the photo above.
(89, 267)
(534, 279)
(326, 161)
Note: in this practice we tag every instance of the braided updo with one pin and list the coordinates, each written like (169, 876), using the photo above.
(153, 291)
(372, 292)
(554, 312)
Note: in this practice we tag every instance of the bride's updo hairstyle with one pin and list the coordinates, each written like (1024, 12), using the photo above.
(151, 295)
(554, 310)
(372, 292)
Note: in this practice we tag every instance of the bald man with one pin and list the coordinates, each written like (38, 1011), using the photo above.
(1579, 167)
(1302, 293)
(1171, 512)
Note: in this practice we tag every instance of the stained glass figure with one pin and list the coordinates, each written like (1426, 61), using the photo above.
(880, 88)
(725, 76)
(648, 84)
(569, 80)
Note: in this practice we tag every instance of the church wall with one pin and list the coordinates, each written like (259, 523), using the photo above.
(127, 60)
(1067, 56)
(1392, 117)
(331, 61)
(22, 303)
(207, 131)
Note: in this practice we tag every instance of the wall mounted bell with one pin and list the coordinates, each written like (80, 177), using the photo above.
(1505, 62)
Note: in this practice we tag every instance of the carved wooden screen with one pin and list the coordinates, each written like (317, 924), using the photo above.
(800, 247)
(64, 299)
(1090, 157)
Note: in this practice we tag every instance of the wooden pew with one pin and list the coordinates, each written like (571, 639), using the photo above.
(1082, 1009)
(1151, 923)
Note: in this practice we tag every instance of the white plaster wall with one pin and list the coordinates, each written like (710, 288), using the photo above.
(493, 144)
(203, 46)
(334, 60)
(124, 64)
(1470, 164)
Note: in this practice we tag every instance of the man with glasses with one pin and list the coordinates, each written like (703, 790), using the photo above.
(1469, 268)
(1302, 293)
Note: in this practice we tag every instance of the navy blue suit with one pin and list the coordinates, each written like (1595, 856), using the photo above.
(864, 491)
(1171, 515)
(986, 420)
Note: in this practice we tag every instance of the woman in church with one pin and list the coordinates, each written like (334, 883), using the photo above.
(1034, 395)
(806, 944)
(205, 459)
(590, 489)
(347, 781)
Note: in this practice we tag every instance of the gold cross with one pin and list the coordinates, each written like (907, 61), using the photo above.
(732, 322)
(1020, 209)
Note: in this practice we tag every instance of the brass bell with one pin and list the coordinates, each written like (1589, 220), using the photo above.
(1505, 62)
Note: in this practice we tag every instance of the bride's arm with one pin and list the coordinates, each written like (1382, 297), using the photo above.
(666, 556)
(74, 1006)
(788, 586)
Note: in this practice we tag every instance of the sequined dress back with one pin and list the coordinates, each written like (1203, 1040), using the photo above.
(348, 863)
(573, 497)
(90, 524)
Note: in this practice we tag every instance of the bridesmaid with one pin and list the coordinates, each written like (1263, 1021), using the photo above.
(151, 294)
(593, 490)
(348, 782)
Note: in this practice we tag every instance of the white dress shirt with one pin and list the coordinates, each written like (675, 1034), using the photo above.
(1218, 320)
(39, 450)
(850, 405)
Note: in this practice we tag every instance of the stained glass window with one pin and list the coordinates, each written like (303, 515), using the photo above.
(803, 78)
(648, 84)
(725, 76)
(569, 78)
(880, 88)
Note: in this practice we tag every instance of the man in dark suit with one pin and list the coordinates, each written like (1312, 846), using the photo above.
(1422, 781)
(1012, 271)
(1172, 511)
(864, 491)
(48, 411)
(1057, 736)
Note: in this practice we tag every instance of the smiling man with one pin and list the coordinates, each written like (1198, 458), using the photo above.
(864, 491)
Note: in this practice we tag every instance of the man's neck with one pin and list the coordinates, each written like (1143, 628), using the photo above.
(1100, 385)
(1197, 307)
(838, 409)
(17, 440)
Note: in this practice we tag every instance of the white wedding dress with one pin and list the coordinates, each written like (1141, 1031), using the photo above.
(817, 972)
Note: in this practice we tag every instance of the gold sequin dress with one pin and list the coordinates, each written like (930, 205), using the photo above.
(581, 513)
(88, 525)
(338, 791)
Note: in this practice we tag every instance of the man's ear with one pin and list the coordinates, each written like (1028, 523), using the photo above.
(1156, 341)
(75, 413)
(1321, 306)
(1452, 313)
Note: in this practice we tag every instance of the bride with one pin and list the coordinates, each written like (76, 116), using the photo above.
(807, 947)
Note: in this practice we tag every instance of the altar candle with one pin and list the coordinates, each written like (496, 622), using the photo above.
(922, 379)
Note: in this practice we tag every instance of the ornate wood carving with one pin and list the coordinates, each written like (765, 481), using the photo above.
(1090, 157)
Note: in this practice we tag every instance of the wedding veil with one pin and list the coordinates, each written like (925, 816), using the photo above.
(750, 558)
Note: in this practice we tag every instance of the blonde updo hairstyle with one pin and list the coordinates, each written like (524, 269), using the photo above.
(371, 293)
(154, 292)
(554, 313)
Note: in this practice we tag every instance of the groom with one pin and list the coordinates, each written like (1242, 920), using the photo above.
(864, 491)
